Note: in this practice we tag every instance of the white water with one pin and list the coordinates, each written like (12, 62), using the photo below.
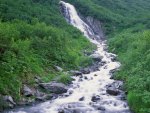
(95, 85)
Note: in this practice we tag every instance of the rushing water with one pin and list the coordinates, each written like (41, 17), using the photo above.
(83, 90)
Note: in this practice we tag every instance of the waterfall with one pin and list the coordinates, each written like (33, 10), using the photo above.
(73, 18)
(89, 91)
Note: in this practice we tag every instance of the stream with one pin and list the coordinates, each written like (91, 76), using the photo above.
(88, 93)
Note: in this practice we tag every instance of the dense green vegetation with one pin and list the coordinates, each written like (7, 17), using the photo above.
(34, 37)
(133, 50)
(127, 26)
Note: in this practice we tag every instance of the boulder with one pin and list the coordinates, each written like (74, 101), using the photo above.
(101, 108)
(27, 91)
(95, 98)
(44, 97)
(57, 68)
(113, 91)
(40, 96)
(94, 67)
(82, 99)
(8, 101)
(96, 57)
(54, 87)
(75, 73)
(85, 77)
(85, 71)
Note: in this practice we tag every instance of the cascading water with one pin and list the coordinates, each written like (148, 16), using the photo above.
(87, 95)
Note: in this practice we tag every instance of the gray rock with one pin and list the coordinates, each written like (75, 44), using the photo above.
(85, 71)
(75, 73)
(27, 91)
(8, 102)
(54, 87)
(85, 77)
(9, 99)
(81, 99)
(57, 68)
(44, 97)
(113, 91)
(95, 98)
(96, 26)
(96, 57)
(101, 108)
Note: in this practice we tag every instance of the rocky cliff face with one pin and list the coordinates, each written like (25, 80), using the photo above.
(90, 27)
(96, 26)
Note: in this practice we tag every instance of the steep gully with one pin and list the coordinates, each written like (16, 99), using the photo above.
(90, 93)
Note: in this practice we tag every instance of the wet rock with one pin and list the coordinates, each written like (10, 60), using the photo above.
(85, 77)
(112, 56)
(101, 108)
(70, 92)
(117, 85)
(95, 75)
(112, 77)
(27, 91)
(54, 87)
(40, 96)
(113, 91)
(96, 26)
(57, 68)
(75, 73)
(30, 101)
(82, 99)
(94, 67)
(102, 63)
(95, 98)
(96, 57)
(8, 101)
(80, 80)
(44, 97)
(85, 71)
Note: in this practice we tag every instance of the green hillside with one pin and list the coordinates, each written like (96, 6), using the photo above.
(34, 37)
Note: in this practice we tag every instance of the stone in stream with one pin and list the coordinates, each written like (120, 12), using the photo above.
(85, 77)
(75, 73)
(113, 91)
(85, 71)
(96, 57)
(95, 98)
(54, 87)
(94, 67)
(81, 99)
(40, 96)
(95, 75)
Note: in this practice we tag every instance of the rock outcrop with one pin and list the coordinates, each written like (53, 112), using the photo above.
(54, 87)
